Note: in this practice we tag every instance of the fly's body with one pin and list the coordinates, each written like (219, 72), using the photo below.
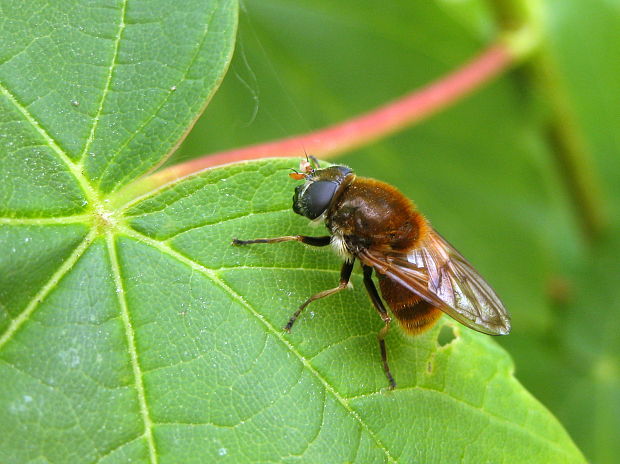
(420, 274)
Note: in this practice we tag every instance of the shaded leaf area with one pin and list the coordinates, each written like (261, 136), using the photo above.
(581, 355)
(111, 87)
(583, 38)
(482, 171)
(580, 349)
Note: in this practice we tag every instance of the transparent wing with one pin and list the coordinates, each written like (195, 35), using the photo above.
(438, 273)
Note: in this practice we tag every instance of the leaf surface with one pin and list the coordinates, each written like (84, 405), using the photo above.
(137, 333)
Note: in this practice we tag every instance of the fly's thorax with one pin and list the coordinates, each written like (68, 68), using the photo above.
(373, 214)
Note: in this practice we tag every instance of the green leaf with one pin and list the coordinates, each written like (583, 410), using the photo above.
(483, 162)
(92, 95)
(173, 336)
(331, 359)
(113, 86)
(137, 333)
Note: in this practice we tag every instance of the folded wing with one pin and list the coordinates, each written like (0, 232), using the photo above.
(438, 273)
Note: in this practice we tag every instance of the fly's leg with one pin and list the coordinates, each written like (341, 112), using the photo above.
(345, 275)
(313, 241)
(378, 304)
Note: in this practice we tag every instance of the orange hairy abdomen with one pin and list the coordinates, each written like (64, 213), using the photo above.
(414, 314)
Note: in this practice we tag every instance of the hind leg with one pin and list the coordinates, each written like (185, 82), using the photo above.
(378, 304)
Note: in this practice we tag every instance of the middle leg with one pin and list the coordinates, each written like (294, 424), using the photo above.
(345, 275)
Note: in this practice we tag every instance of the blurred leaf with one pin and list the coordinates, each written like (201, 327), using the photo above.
(580, 352)
(590, 359)
(584, 38)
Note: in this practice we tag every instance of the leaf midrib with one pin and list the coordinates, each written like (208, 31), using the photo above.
(56, 277)
(156, 112)
(132, 347)
(93, 197)
(106, 88)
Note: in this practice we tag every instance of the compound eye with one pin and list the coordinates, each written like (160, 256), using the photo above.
(317, 197)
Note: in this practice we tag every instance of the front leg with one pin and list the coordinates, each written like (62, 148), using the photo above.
(313, 241)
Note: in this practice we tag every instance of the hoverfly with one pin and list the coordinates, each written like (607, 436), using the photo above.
(420, 274)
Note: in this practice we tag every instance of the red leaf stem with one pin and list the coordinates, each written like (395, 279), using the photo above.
(368, 127)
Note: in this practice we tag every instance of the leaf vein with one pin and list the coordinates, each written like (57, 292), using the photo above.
(204, 224)
(77, 422)
(62, 270)
(480, 410)
(52, 144)
(275, 268)
(359, 445)
(340, 342)
(43, 221)
(267, 407)
(156, 113)
(319, 428)
(164, 188)
(342, 401)
(116, 448)
(106, 88)
(133, 352)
